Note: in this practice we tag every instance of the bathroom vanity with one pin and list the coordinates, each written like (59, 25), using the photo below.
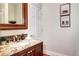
(27, 47)
(35, 50)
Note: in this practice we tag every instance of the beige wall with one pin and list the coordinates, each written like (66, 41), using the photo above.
(57, 39)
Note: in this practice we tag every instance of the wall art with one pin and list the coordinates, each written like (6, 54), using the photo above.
(65, 15)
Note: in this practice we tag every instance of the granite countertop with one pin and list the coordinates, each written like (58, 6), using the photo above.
(14, 47)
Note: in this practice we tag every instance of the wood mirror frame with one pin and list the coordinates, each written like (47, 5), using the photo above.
(18, 26)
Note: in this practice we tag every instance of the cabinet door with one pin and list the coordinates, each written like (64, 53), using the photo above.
(38, 51)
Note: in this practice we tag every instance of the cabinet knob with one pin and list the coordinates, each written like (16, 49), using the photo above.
(30, 51)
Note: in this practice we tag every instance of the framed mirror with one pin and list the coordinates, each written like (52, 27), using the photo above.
(13, 16)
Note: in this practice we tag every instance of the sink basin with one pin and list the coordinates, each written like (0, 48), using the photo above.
(19, 45)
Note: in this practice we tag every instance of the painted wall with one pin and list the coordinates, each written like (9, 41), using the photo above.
(57, 39)
(75, 22)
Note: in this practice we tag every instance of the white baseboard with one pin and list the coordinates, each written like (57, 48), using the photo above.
(51, 53)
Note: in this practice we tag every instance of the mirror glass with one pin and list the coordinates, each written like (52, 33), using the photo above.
(11, 13)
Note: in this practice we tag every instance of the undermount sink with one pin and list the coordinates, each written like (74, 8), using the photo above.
(20, 44)
(24, 43)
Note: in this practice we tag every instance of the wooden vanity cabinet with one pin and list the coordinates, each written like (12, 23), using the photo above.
(36, 50)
